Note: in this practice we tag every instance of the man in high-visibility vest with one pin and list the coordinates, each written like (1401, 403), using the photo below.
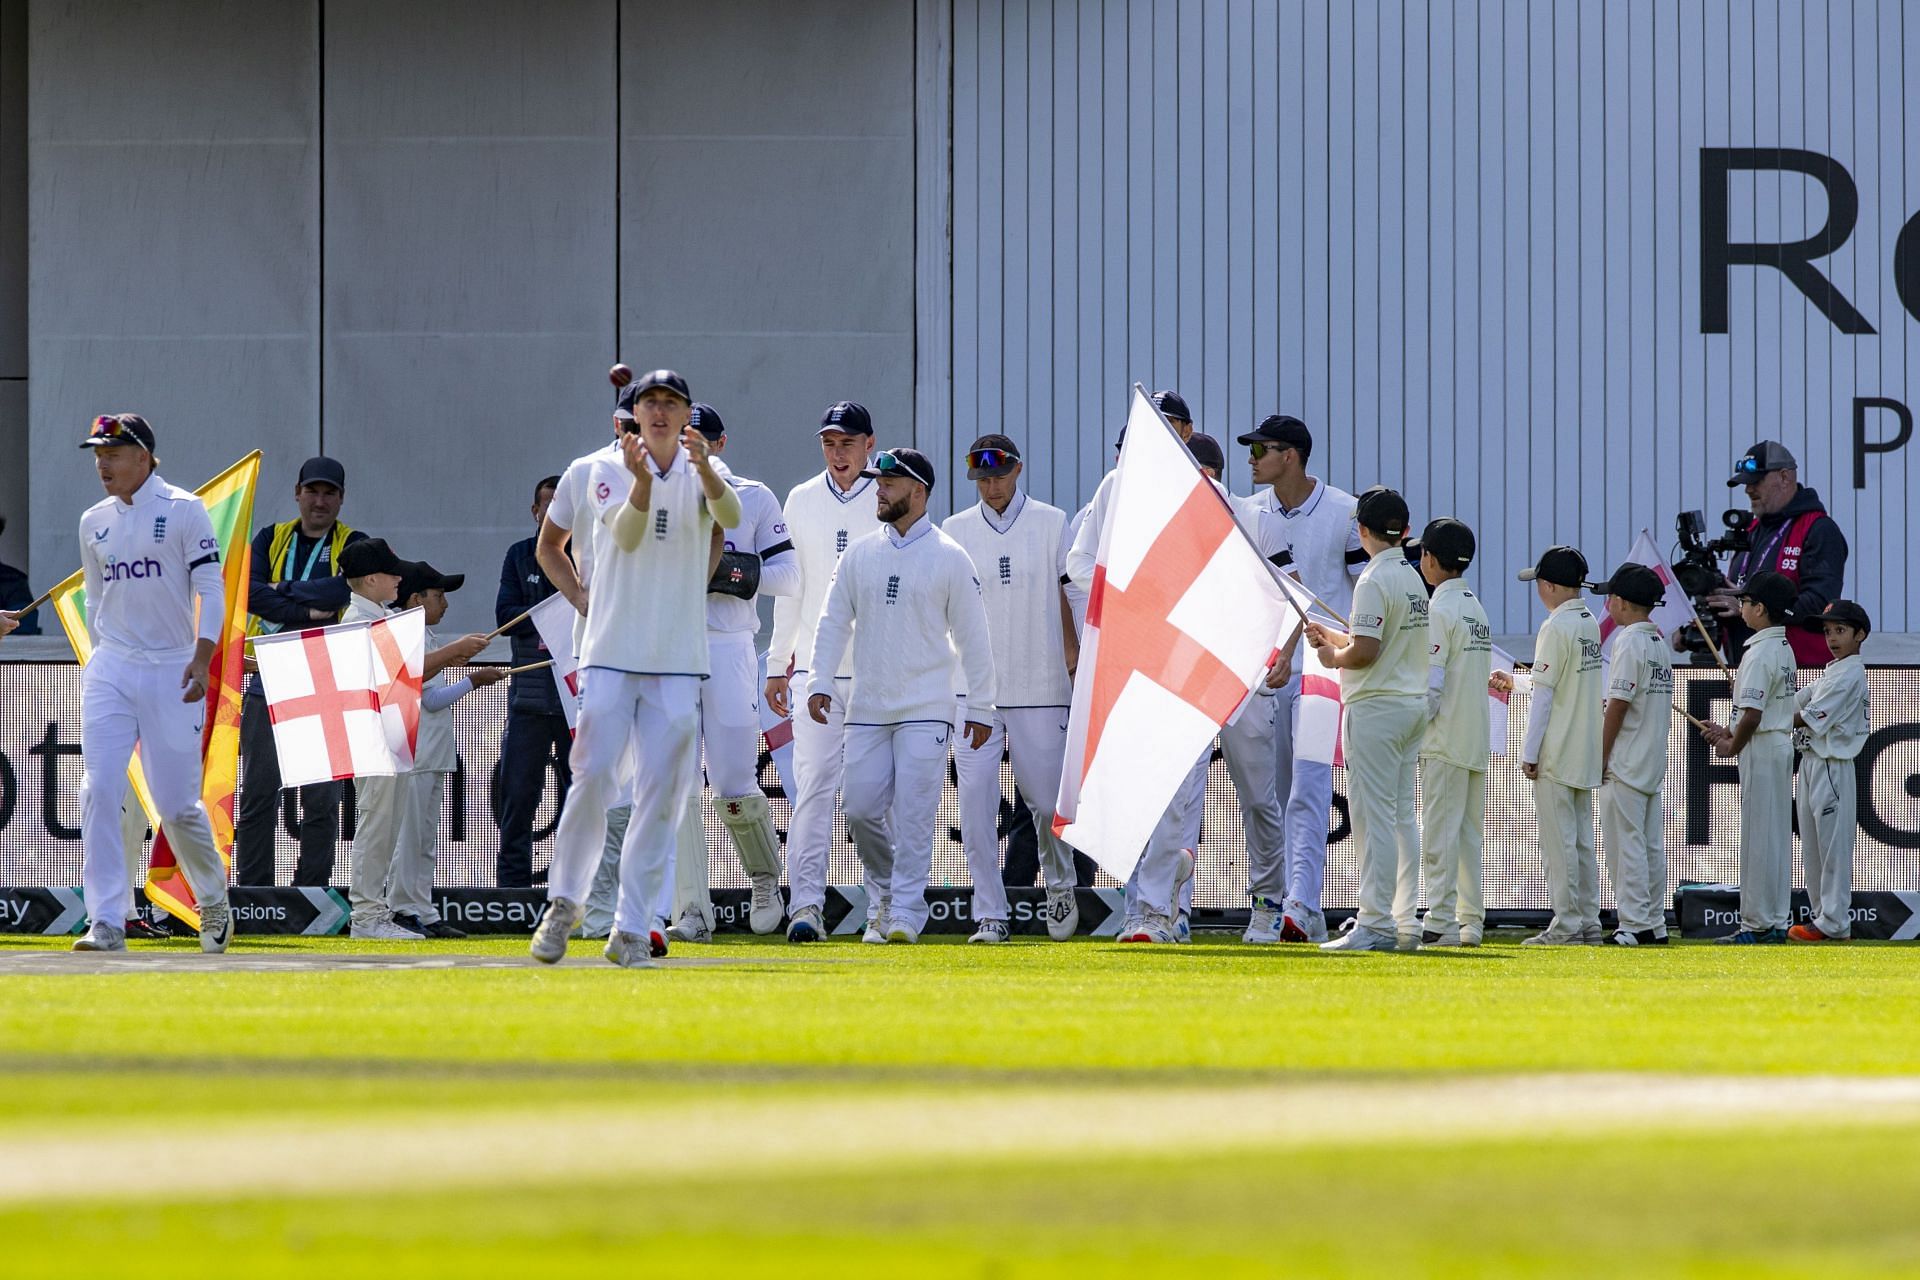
(294, 582)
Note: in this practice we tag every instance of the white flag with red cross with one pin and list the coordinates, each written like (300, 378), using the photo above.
(1183, 620)
(554, 619)
(344, 700)
(1317, 712)
(1672, 615)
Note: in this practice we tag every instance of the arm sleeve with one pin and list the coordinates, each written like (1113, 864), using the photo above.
(1823, 569)
(441, 696)
(629, 526)
(724, 509)
(1085, 551)
(786, 609)
(1443, 644)
(1749, 687)
(779, 563)
(267, 600)
(836, 628)
(1356, 554)
(967, 621)
(90, 573)
(1369, 616)
(1539, 712)
(1627, 677)
(1436, 689)
(202, 550)
(1827, 705)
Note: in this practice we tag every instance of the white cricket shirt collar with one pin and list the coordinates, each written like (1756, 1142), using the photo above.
(920, 529)
(1305, 508)
(1000, 522)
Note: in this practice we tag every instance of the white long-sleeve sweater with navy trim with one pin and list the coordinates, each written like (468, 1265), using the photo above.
(905, 604)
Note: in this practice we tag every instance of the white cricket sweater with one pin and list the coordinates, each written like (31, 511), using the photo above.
(903, 606)
(822, 522)
(1019, 570)
(646, 613)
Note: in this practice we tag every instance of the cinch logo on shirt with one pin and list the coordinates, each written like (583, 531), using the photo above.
(1006, 569)
(118, 570)
(159, 528)
(893, 587)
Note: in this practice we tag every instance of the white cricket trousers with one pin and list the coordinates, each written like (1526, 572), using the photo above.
(1452, 823)
(1565, 817)
(1036, 738)
(410, 881)
(396, 824)
(818, 768)
(1304, 791)
(659, 715)
(1633, 835)
(1828, 801)
(730, 736)
(1151, 886)
(1766, 831)
(1381, 740)
(895, 774)
(124, 703)
(1253, 762)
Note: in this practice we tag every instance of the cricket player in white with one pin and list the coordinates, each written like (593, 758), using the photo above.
(1633, 756)
(904, 600)
(155, 603)
(824, 516)
(1315, 522)
(757, 559)
(1762, 740)
(1458, 738)
(645, 653)
(1832, 713)
(1561, 752)
(1015, 542)
(1382, 662)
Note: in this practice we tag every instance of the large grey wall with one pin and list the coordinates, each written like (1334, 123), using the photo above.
(1462, 240)
(416, 235)
(14, 464)
(174, 215)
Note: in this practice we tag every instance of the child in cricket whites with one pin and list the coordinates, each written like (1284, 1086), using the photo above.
(1633, 756)
(1831, 714)
(1457, 742)
(1561, 753)
(1763, 697)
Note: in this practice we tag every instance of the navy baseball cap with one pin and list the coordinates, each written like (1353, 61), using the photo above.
(323, 470)
(911, 463)
(1848, 612)
(1172, 404)
(1562, 566)
(1282, 429)
(1207, 452)
(1773, 589)
(706, 420)
(1384, 511)
(1765, 457)
(1635, 583)
(992, 455)
(661, 378)
(419, 576)
(1450, 542)
(370, 555)
(111, 430)
(848, 416)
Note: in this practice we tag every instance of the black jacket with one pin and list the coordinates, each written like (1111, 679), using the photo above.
(1823, 563)
(524, 584)
(16, 594)
(291, 604)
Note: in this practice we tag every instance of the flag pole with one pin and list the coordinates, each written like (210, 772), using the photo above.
(1691, 718)
(531, 666)
(508, 626)
(43, 597)
(1711, 648)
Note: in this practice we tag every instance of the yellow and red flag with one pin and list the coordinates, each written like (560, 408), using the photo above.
(229, 502)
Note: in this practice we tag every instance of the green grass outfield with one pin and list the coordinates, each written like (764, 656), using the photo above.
(1032, 1109)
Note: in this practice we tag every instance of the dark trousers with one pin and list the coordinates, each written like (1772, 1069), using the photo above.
(535, 742)
(319, 829)
(1022, 866)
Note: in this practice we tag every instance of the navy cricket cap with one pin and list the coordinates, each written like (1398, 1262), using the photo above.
(111, 430)
(1172, 404)
(323, 470)
(418, 576)
(1450, 542)
(1765, 457)
(1207, 452)
(848, 416)
(370, 555)
(1282, 429)
(1562, 566)
(1850, 613)
(1635, 583)
(661, 378)
(1383, 511)
(992, 455)
(1773, 589)
(911, 463)
(706, 420)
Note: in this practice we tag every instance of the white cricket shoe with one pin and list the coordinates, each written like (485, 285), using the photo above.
(1063, 914)
(765, 912)
(1440, 938)
(549, 944)
(877, 921)
(806, 926)
(1263, 928)
(902, 933)
(1358, 939)
(991, 931)
(1301, 923)
(1471, 935)
(101, 936)
(1154, 926)
(629, 950)
(384, 931)
(1593, 935)
(1407, 941)
(216, 927)
(1551, 938)
(690, 927)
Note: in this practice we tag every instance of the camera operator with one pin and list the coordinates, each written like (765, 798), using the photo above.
(1791, 533)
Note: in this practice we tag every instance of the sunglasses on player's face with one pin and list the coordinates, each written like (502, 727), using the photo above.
(991, 459)
(1261, 448)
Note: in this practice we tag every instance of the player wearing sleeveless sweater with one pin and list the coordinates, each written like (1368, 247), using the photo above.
(1014, 541)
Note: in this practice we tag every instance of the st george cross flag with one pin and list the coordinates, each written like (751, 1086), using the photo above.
(553, 618)
(1316, 715)
(1675, 614)
(1183, 618)
(344, 700)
